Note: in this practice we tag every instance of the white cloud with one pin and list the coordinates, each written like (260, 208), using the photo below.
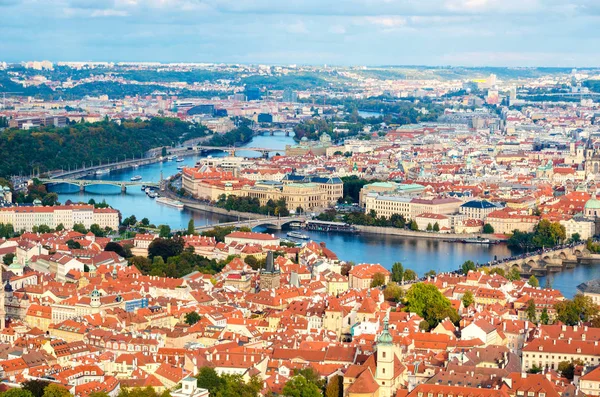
(109, 13)
(387, 21)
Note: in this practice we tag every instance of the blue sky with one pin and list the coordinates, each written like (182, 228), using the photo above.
(344, 32)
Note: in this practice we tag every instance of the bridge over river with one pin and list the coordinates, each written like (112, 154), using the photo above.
(542, 262)
(272, 222)
(83, 183)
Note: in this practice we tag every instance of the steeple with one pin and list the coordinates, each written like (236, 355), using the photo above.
(385, 338)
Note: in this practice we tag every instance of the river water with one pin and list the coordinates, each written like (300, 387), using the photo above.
(420, 255)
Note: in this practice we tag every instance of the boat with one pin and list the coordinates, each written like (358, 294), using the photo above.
(143, 188)
(477, 240)
(170, 202)
(296, 225)
(136, 178)
(298, 235)
(136, 166)
(179, 160)
(170, 158)
(324, 226)
(180, 167)
(103, 171)
(152, 194)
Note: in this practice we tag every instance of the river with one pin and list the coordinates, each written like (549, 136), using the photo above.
(420, 255)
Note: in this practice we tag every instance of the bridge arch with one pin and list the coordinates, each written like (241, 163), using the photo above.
(562, 255)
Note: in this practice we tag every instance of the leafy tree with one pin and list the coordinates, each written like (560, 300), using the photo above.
(191, 229)
(98, 394)
(468, 266)
(514, 274)
(436, 227)
(393, 292)
(497, 270)
(50, 199)
(530, 310)
(165, 247)
(55, 390)
(79, 228)
(468, 299)
(534, 369)
(145, 221)
(299, 386)
(580, 309)
(544, 318)
(413, 226)
(429, 227)
(533, 281)
(346, 267)
(164, 231)
(567, 368)
(16, 392)
(378, 280)
(192, 318)
(410, 275)
(219, 232)
(97, 230)
(209, 379)
(312, 376)
(142, 263)
(116, 248)
(335, 387)
(251, 261)
(575, 238)
(141, 392)
(430, 273)
(35, 386)
(8, 258)
(74, 245)
(488, 229)
(397, 272)
(428, 302)
(60, 227)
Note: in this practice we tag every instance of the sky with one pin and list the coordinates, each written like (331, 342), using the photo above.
(557, 33)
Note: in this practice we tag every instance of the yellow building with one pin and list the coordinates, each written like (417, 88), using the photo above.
(304, 195)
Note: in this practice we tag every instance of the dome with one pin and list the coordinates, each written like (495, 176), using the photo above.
(8, 287)
(592, 204)
(385, 338)
(95, 293)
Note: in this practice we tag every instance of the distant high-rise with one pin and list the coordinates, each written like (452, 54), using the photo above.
(253, 93)
(290, 96)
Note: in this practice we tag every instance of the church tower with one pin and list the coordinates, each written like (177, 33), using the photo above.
(385, 361)
(270, 277)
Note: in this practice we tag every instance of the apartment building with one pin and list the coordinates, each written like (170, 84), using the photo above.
(25, 218)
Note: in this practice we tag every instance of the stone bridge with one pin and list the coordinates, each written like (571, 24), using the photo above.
(83, 183)
(549, 261)
(271, 222)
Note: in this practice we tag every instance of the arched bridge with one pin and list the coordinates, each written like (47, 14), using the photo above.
(548, 261)
(271, 222)
(232, 149)
(83, 183)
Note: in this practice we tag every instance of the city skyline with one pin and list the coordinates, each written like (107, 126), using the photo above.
(370, 32)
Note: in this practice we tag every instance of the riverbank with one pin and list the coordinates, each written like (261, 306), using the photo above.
(392, 231)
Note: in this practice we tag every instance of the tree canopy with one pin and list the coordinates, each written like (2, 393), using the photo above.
(428, 302)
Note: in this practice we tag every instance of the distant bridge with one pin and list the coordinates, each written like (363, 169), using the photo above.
(271, 222)
(83, 183)
(549, 261)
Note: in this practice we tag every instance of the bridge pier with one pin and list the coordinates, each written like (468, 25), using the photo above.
(123, 188)
(81, 187)
(265, 155)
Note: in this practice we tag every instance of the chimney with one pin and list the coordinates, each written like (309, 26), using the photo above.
(523, 375)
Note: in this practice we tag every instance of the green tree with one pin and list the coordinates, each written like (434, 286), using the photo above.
(467, 266)
(393, 292)
(299, 386)
(580, 309)
(60, 227)
(530, 310)
(251, 261)
(192, 318)
(436, 227)
(145, 222)
(16, 392)
(165, 247)
(428, 302)
(544, 317)
(378, 280)
(116, 248)
(533, 281)
(8, 258)
(413, 226)
(191, 228)
(55, 390)
(397, 272)
(97, 230)
(488, 229)
(468, 299)
(142, 263)
(209, 379)
(410, 275)
(514, 274)
(575, 238)
(50, 199)
(79, 228)
(35, 386)
(429, 227)
(430, 273)
(534, 369)
(335, 387)
(74, 245)
(98, 394)
(164, 231)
